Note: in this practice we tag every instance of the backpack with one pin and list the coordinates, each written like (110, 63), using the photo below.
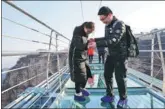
(132, 47)
(133, 50)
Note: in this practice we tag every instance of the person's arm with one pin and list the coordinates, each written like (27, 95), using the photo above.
(101, 42)
(116, 36)
(80, 43)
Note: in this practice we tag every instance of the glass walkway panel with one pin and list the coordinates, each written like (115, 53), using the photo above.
(139, 96)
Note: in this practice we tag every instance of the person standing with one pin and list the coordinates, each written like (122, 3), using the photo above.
(90, 53)
(101, 54)
(78, 66)
(115, 40)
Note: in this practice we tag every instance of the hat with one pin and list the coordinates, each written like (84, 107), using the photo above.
(104, 11)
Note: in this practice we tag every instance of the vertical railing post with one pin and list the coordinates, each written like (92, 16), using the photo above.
(152, 103)
(48, 60)
(68, 54)
(152, 60)
(58, 61)
(162, 61)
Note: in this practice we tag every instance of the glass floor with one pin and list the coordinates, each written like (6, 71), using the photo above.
(137, 98)
(138, 95)
(100, 83)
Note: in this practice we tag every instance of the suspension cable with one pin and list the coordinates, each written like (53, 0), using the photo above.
(25, 26)
(100, 4)
(27, 40)
(82, 10)
(32, 17)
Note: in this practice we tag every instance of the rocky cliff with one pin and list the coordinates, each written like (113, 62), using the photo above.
(39, 63)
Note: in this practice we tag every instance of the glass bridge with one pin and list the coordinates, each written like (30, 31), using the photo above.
(139, 96)
(57, 90)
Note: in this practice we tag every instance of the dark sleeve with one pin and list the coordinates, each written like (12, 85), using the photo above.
(101, 42)
(117, 34)
(80, 43)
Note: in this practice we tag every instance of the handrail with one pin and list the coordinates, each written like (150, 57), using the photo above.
(163, 29)
(20, 68)
(18, 53)
(41, 85)
(34, 41)
(151, 50)
(21, 83)
(34, 18)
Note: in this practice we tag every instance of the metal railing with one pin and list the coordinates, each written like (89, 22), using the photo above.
(160, 57)
(47, 53)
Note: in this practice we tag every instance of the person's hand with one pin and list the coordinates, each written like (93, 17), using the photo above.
(91, 81)
(92, 44)
(91, 40)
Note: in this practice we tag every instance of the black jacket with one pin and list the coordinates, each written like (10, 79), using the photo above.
(101, 49)
(78, 66)
(115, 38)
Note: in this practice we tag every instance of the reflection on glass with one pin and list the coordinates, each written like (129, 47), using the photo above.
(93, 101)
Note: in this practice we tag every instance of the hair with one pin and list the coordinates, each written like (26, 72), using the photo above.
(105, 11)
(89, 25)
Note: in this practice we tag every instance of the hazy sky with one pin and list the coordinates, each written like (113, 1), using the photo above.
(63, 16)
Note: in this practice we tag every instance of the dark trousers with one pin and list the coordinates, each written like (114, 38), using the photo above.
(117, 64)
(90, 58)
(79, 85)
(101, 55)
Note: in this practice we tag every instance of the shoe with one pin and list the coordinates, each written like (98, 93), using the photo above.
(107, 98)
(108, 105)
(79, 98)
(122, 103)
(85, 92)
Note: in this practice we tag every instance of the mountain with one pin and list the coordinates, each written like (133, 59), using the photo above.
(39, 64)
(3, 76)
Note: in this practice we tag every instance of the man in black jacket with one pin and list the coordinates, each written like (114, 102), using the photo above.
(79, 69)
(115, 40)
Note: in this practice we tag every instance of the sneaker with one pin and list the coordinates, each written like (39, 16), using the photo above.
(107, 98)
(108, 105)
(122, 103)
(85, 92)
(79, 98)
